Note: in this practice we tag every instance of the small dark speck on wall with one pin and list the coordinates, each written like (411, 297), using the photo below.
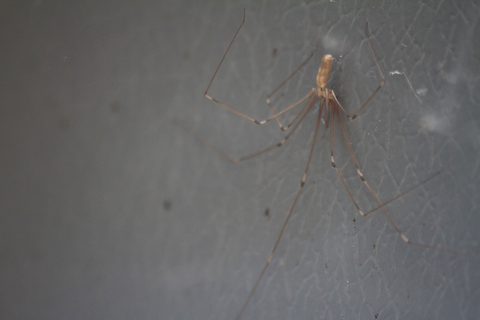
(274, 52)
(167, 205)
(267, 212)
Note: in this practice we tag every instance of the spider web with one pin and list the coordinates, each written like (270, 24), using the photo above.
(111, 212)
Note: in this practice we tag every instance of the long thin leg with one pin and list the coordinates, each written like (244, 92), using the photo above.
(461, 253)
(360, 174)
(382, 206)
(296, 117)
(203, 140)
(421, 183)
(306, 109)
(282, 84)
(281, 143)
(379, 86)
(221, 61)
(260, 122)
(287, 109)
(302, 183)
(403, 236)
(332, 159)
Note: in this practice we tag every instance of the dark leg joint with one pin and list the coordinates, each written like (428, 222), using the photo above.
(334, 165)
(302, 184)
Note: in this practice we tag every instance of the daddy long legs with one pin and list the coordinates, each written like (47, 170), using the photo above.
(328, 103)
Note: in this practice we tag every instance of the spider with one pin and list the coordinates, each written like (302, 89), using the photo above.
(333, 109)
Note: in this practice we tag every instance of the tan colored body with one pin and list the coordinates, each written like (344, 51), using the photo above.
(324, 72)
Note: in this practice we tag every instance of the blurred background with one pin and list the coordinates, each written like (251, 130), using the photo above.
(110, 211)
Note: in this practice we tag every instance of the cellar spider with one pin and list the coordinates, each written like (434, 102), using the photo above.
(333, 110)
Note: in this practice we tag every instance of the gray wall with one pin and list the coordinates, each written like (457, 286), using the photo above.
(108, 211)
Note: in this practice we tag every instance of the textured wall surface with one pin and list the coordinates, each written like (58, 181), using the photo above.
(109, 211)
